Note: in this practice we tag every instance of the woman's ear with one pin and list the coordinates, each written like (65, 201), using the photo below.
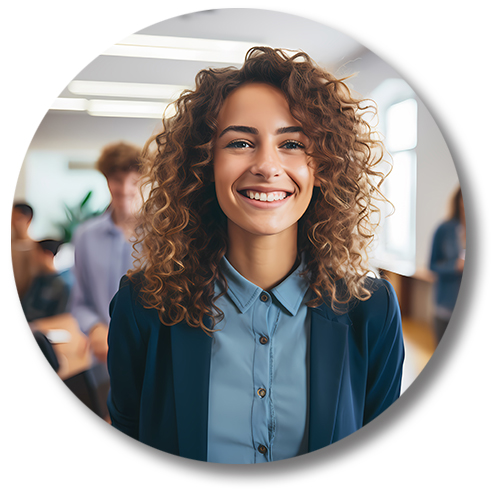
(312, 164)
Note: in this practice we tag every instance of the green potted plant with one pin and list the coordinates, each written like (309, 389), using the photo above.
(76, 215)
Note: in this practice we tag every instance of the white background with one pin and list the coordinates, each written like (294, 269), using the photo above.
(439, 440)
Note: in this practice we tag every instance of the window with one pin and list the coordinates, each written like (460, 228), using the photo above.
(398, 112)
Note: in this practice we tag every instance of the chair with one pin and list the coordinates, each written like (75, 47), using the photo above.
(90, 388)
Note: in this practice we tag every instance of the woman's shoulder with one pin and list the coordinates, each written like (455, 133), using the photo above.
(381, 303)
(129, 298)
(381, 307)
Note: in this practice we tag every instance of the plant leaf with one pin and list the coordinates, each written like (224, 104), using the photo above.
(86, 199)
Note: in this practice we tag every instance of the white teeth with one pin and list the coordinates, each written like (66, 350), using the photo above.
(254, 195)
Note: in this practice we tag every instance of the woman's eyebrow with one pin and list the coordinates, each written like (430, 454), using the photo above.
(289, 130)
(254, 131)
(240, 128)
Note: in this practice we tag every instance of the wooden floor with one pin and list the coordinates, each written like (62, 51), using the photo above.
(421, 337)
(419, 346)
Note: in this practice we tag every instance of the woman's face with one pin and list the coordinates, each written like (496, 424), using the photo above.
(263, 178)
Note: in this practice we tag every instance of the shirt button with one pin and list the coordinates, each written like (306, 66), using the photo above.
(262, 449)
(263, 340)
(263, 297)
(261, 392)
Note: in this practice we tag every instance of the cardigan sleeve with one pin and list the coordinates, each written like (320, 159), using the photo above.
(126, 362)
(386, 356)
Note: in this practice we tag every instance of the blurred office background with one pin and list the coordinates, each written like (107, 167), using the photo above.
(122, 94)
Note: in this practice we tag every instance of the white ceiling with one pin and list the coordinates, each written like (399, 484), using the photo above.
(65, 130)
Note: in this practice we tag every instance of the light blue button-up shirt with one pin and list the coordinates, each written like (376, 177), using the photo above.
(259, 378)
(102, 256)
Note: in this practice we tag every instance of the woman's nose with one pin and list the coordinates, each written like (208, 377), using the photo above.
(267, 162)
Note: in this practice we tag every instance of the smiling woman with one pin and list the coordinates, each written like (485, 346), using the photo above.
(250, 330)
(263, 179)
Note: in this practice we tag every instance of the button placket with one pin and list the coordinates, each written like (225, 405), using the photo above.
(261, 413)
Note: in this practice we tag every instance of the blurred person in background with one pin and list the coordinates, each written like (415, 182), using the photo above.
(103, 250)
(48, 294)
(23, 247)
(447, 262)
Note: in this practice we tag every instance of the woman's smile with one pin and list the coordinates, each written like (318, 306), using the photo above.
(263, 198)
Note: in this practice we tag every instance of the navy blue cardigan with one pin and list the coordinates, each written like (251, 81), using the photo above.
(445, 252)
(160, 375)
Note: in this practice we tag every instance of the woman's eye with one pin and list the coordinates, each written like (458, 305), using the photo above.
(238, 145)
(293, 145)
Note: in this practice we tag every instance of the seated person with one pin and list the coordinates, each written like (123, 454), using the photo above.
(48, 294)
(22, 247)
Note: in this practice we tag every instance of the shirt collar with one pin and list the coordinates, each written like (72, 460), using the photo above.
(289, 293)
(109, 225)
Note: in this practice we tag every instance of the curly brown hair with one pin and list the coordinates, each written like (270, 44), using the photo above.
(182, 235)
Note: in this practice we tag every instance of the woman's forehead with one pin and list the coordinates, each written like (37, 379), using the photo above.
(255, 102)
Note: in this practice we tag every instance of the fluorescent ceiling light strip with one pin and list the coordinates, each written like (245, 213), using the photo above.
(125, 89)
(130, 109)
(176, 42)
(114, 108)
(176, 54)
(178, 48)
(69, 104)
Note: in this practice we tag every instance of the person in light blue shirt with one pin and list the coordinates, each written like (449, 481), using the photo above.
(102, 255)
(103, 250)
(251, 331)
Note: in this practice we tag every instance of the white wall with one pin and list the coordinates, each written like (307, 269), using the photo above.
(437, 179)
(47, 184)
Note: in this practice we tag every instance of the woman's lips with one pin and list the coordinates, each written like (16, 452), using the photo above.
(265, 199)
(265, 196)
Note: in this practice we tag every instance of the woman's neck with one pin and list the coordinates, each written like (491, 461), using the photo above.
(264, 260)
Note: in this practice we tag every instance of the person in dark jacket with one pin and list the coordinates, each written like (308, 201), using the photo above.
(447, 261)
(249, 331)
(48, 294)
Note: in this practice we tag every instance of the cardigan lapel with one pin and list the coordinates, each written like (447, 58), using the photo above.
(329, 356)
(191, 349)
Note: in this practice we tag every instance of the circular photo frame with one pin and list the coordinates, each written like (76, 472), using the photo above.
(298, 251)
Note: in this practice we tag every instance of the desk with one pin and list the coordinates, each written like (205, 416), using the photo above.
(415, 293)
(74, 356)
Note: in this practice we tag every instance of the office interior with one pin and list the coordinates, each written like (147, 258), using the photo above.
(121, 95)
